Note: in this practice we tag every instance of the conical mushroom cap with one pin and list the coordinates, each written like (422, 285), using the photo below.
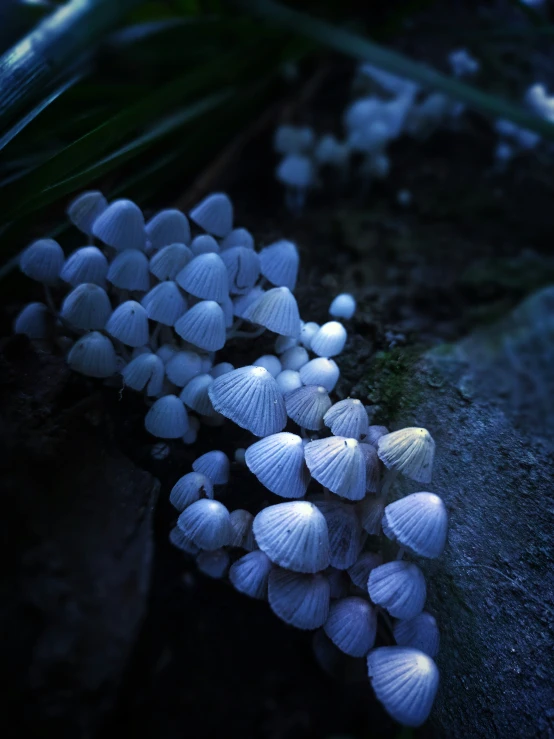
(352, 626)
(405, 681)
(410, 451)
(278, 463)
(121, 225)
(299, 600)
(276, 310)
(205, 277)
(214, 214)
(203, 326)
(207, 524)
(419, 522)
(420, 633)
(279, 263)
(345, 532)
(169, 226)
(399, 587)
(348, 418)
(338, 464)
(359, 572)
(250, 574)
(307, 406)
(85, 209)
(294, 536)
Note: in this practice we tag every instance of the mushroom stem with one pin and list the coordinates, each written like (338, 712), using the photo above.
(246, 334)
(400, 553)
(388, 481)
(154, 337)
(49, 299)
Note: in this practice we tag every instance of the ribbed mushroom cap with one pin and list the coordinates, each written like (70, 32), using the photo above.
(86, 307)
(371, 512)
(182, 542)
(329, 340)
(320, 371)
(35, 321)
(339, 465)
(129, 270)
(206, 523)
(359, 571)
(221, 369)
(345, 532)
(204, 244)
(307, 406)
(288, 380)
(205, 277)
(343, 306)
(213, 564)
(399, 587)
(347, 418)
(203, 326)
(85, 209)
(278, 463)
(352, 626)
(242, 536)
(270, 362)
(195, 395)
(307, 332)
(276, 310)
(42, 261)
(251, 398)
(250, 574)
(190, 488)
(283, 343)
(167, 418)
(294, 536)
(164, 303)
(86, 264)
(129, 324)
(214, 214)
(405, 681)
(121, 225)
(410, 451)
(169, 261)
(372, 468)
(299, 600)
(374, 433)
(279, 263)
(238, 237)
(93, 355)
(182, 367)
(243, 268)
(145, 371)
(420, 633)
(418, 522)
(215, 465)
(294, 358)
(169, 226)
(242, 302)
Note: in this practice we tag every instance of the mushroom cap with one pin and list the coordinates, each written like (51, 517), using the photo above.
(250, 574)
(296, 170)
(205, 277)
(348, 418)
(243, 268)
(345, 532)
(87, 307)
(283, 343)
(169, 261)
(307, 406)
(307, 332)
(167, 227)
(343, 306)
(85, 209)
(294, 358)
(339, 465)
(34, 320)
(164, 303)
(241, 303)
(221, 369)
(167, 418)
(279, 263)
(278, 463)
(288, 380)
(242, 536)
(372, 468)
(130, 270)
(215, 465)
(352, 626)
(204, 244)
(93, 355)
(294, 536)
(213, 564)
(374, 433)
(329, 339)
(129, 324)
(182, 366)
(300, 600)
(86, 264)
(182, 542)
(145, 371)
(371, 514)
(207, 524)
(418, 522)
(277, 311)
(190, 488)
(420, 633)
(405, 681)
(214, 214)
(195, 395)
(42, 261)
(238, 237)
(359, 571)
(270, 362)
(399, 587)
(410, 451)
(320, 371)
(203, 326)
(121, 225)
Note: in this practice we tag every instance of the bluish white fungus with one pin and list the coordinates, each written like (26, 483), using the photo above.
(191, 434)
(129, 324)
(86, 307)
(167, 227)
(87, 264)
(93, 355)
(339, 465)
(307, 406)
(371, 138)
(320, 371)
(278, 463)
(331, 152)
(204, 244)
(85, 209)
(203, 326)
(294, 536)
(343, 306)
(251, 398)
(164, 303)
(388, 81)
(420, 633)
(296, 171)
(182, 366)
(238, 237)
(540, 102)
(182, 542)
(293, 139)
(221, 369)
(241, 303)
(207, 524)
(372, 468)
(243, 269)
(283, 343)
(146, 371)
(35, 321)
(288, 380)
(404, 198)
(338, 584)
(240, 456)
(269, 362)
(214, 214)
(361, 113)
(405, 681)
(242, 535)
(121, 226)
(359, 571)
(130, 271)
(348, 418)
(462, 63)
(190, 488)
(42, 261)
(215, 465)
(294, 358)
(205, 277)
(410, 451)
(279, 263)
(352, 626)
(399, 587)
(167, 418)
(374, 433)
(250, 574)
(345, 532)
(307, 332)
(169, 261)
(419, 523)
(213, 564)
(195, 395)
(276, 310)
(371, 512)
(299, 600)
